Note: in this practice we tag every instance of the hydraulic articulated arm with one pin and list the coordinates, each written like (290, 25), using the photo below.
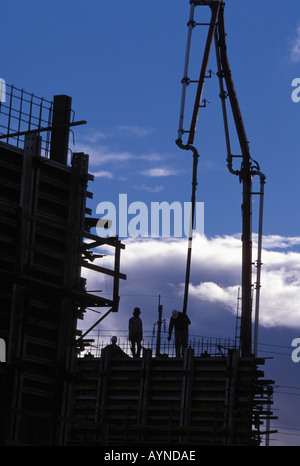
(247, 169)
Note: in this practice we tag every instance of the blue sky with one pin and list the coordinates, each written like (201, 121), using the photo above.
(122, 63)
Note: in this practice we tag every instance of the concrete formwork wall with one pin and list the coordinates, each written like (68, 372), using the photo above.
(195, 400)
(42, 203)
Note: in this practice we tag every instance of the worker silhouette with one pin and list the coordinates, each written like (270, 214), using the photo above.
(135, 328)
(113, 349)
(180, 322)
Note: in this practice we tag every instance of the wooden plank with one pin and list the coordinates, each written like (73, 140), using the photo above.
(104, 270)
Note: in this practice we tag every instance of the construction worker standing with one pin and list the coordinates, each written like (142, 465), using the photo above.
(135, 328)
(181, 324)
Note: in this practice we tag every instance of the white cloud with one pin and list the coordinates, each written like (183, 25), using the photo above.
(295, 47)
(120, 131)
(276, 241)
(157, 267)
(138, 131)
(150, 189)
(212, 292)
(103, 174)
(160, 172)
(96, 137)
(101, 155)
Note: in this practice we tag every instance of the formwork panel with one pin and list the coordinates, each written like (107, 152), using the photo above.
(161, 402)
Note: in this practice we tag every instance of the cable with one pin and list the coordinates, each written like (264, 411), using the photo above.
(192, 299)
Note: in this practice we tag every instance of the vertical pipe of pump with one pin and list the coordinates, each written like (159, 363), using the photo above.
(191, 228)
(259, 263)
(246, 317)
(246, 180)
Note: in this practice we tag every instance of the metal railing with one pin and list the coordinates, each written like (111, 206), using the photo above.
(202, 345)
(22, 112)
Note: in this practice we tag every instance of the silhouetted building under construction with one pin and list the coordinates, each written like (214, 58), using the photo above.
(49, 394)
(45, 241)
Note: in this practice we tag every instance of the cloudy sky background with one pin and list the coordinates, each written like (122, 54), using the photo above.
(122, 63)
(157, 267)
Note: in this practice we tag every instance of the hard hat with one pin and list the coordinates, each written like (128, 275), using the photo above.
(114, 339)
(136, 311)
(175, 314)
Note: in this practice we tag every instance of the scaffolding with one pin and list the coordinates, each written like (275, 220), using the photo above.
(49, 394)
(195, 400)
(23, 113)
(45, 242)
